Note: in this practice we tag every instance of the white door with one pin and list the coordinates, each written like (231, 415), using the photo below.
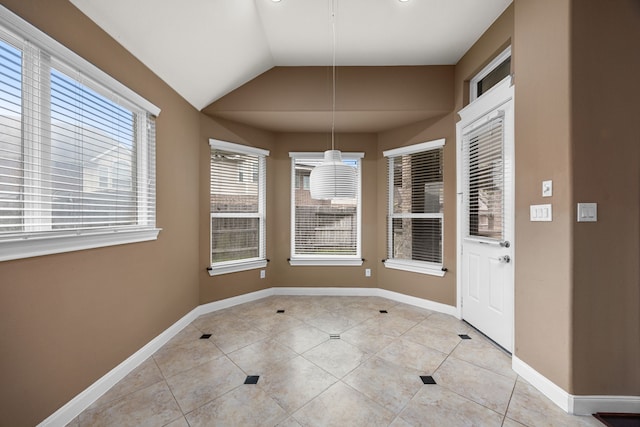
(486, 214)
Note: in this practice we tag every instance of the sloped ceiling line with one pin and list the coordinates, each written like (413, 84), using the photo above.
(205, 49)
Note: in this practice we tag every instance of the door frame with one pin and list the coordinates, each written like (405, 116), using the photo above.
(498, 95)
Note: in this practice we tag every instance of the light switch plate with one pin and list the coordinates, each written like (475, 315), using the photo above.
(547, 188)
(587, 212)
(540, 213)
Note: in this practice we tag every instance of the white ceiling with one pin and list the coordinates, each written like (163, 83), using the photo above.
(205, 49)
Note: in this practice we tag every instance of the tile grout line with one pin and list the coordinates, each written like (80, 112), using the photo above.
(358, 321)
(513, 390)
(466, 397)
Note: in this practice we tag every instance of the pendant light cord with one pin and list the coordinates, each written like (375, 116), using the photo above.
(333, 76)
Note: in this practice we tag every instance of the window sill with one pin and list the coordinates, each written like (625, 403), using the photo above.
(415, 267)
(44, 244)
(236, 266)
(324, 261)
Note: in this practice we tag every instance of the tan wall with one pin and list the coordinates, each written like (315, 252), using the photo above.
(214, 288)
(606, 163)
(543, 250)
(368, 99)
(438, 289)
(67, 319)
(278, 271)
(442, 290)
(280, 95)
(496, 39)
(286, 275)
(357, 88)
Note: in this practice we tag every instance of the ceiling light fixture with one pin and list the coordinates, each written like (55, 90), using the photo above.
(333, 179)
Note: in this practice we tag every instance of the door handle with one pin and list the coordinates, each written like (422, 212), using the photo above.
(505, 244)
(506, 259)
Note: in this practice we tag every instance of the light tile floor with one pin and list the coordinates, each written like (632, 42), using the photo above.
(370, 376)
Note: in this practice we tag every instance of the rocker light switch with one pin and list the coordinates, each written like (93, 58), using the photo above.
(587, 212)
(539, 213)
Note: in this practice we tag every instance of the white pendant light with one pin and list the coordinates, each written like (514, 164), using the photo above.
(333, 179)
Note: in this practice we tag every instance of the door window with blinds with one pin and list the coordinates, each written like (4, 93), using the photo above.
(238, 202)
(483, 170)
(415, 207)
(77, 150)
(323, 232)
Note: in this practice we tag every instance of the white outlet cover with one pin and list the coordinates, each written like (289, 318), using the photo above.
(547, 188)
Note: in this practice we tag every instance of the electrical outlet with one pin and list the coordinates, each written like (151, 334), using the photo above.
(367, 272)
(263, 274)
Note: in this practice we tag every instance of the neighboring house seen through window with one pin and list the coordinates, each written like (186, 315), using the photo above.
(416, 206)
(324, 232)
(238, 203)
(77, 150)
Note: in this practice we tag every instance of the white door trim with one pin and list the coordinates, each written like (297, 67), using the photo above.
(497, 96)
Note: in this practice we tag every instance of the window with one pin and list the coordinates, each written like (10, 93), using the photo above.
(323, 232)
(415, 212)
(77, 150)
(237, 207)
(484, 169)
(491, 75)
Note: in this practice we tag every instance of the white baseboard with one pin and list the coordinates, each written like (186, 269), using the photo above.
(573, 404)
(581, 405)
(82, 401)
(585, 405)
(370, 292)
(313, 291)
(230, 302)
(555, 393)
(418, 302)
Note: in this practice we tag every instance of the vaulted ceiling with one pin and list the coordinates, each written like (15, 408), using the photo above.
(205, 49)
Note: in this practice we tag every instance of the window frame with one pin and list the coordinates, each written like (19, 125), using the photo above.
(423, 267)
(495, 63)
(325, 260)
(22, 35)
(234, 266)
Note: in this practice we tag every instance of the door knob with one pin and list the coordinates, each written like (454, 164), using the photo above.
(506, 259)
(505, 244)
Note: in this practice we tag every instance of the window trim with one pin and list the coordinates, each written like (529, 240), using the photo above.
(48, 245)
(495, 62)
(19, 33)
(326, 260)
(422, 267)
(16, 25)
(235, 266)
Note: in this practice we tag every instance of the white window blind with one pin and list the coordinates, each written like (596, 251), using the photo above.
(416, 203)
(77, 160)
(326, 231)
(238, 185)
(483, 169)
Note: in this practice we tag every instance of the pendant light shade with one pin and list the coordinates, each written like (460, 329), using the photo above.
(333, 179)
